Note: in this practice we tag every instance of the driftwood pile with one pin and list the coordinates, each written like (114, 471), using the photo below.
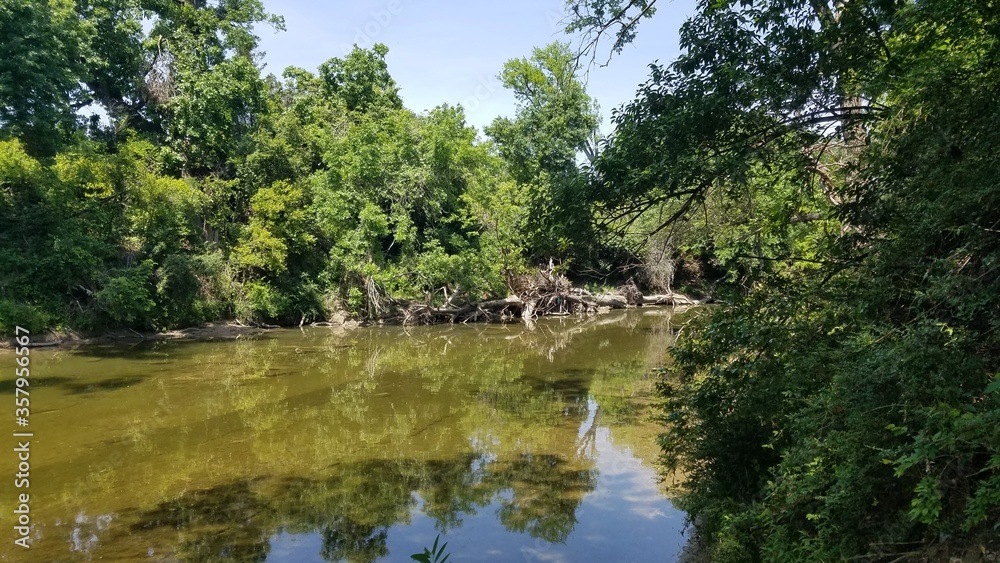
(540, 294)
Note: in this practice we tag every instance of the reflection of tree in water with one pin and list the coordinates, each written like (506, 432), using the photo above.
(380, 423)
(345, 539)
(518, 395)
(545, 496)
(452, 489)
(229, 524)
(354, 509)
(351, 510)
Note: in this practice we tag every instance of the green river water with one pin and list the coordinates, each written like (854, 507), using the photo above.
(513, 443)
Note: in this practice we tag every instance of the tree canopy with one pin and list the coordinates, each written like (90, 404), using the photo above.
(200, 189)
(825, 171)
(836, 160)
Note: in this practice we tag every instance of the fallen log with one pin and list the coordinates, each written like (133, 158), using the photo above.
(495, 305)
(44, 344)
(537, 297)
(613, 300)
(473, 311)
(675, 299)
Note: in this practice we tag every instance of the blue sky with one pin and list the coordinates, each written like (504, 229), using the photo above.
(451, 52)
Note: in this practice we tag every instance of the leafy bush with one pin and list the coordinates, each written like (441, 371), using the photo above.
(126, 298)
(36, 319)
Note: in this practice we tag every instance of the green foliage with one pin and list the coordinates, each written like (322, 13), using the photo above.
(837, 161)
(36, 319)
(499, 213)
(831, 165)
(101, 232)
(555, 118)
(213, 110)
(216, 192)
(361, 80)
(433, 555)
(396, 200)
(279, 226)
(192, 289)
(597, 17)
(126, 297)
(951, 440)
(262, 300)
(40, 64)
(555, 121)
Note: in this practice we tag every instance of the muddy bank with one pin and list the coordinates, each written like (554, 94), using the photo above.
(223, 330)
(538, 295)
(545, 296)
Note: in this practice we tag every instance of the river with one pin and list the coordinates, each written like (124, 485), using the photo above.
(512, 443)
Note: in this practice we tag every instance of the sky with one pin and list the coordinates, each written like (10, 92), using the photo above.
(451, 52)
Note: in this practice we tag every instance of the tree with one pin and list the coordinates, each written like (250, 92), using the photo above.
(41, 61)
(361, 80)
(212, 93)
(555, 121)
(844, 409)
(121, 61)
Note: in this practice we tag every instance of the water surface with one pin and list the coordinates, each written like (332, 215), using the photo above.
(513, 443)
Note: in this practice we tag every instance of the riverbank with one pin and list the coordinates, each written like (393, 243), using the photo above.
(547, 296)
(221, 330)
(539, 294)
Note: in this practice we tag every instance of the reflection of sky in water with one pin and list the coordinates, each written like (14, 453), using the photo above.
(625, 518)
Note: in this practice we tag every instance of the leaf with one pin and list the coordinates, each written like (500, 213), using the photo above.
(995, 386)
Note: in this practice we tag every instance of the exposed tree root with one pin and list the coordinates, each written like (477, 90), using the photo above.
(539, 294)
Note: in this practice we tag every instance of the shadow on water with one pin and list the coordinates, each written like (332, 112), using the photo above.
(75, 386)
(573, 382)
(139, 351)
(150, 350)
(7, 386)
(620, 410)
(80, 388)
(354, 510)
